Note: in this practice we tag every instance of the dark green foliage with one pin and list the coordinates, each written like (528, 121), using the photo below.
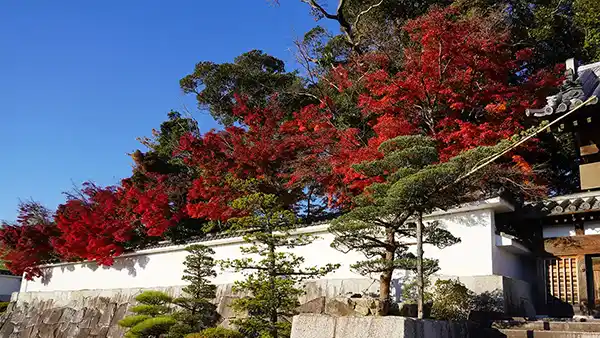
(180, 329)
(150, 310)
(151, 317)
(166, 140)
(451, 300)
(3, 306)
(216, 332)
(197, 311)
(410, 291)
(366, 25)
(152, 327)
(273, 280)
(254, 76)
(157, 298)
(131, 321)
(388, 216)
(155, 315)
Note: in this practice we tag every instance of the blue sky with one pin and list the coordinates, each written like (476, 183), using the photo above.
(80, 80)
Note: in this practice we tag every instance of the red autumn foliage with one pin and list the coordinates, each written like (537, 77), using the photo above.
(92, 225)
(27, 244)
(100, 223)
(269, 146)
(457, 83)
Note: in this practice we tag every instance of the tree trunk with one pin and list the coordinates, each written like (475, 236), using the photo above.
(420, 277)
(272, 275)
(385, 280)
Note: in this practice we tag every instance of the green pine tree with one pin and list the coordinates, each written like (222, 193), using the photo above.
(152, 317)
(388, 216)
(197, 311)
(273, 279)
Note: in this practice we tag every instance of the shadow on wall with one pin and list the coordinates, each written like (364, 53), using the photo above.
(131, 264)
(466, 219)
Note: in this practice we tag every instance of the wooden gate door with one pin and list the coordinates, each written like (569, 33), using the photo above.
(562, 285)
(593, 275)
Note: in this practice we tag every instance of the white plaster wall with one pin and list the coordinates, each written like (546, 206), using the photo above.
(505, 263)
(591, 228)
(551, 231)
(508, 264)
(163, 267)
(473, 255)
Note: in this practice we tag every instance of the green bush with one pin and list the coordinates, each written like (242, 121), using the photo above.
(132, 321)
(151, 317)
(154, 298)
(410, 292)
(179, 330)
(216, 332)
(152, 327)
(150, 310)
(451, 300)
(3, 306)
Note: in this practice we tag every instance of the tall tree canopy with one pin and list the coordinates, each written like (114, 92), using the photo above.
(256, 77)
(460, 75)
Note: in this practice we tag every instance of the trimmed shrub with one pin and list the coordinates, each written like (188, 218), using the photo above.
(152, 327)
(154, 298)
(451, 300)
(150, 310)
(179, 330)
(216, 332)
(132, 321)
(151, 317)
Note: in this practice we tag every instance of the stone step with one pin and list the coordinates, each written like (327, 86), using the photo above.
(510, 333)
(593, 326)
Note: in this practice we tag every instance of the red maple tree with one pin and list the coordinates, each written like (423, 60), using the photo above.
(28, 243)
(459, 82)
(268, 146)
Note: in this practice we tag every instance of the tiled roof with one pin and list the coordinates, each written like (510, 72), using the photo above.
(213, 237)
(589, 76)
(567, 204)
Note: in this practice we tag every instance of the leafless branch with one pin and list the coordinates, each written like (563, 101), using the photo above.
(365, 12)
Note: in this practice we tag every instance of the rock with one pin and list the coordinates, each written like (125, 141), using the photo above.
(366, 306)
(7, 329)
(54, 316)
(339, 307)
(47, 331)
(78, 316)
(85, 333)
(316, 305)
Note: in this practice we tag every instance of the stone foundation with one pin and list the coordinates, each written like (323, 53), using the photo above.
(321, 326)
(95, 313)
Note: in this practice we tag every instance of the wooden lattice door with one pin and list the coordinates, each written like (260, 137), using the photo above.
(561, 280)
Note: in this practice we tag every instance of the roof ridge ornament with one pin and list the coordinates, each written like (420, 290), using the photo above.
(570, 94)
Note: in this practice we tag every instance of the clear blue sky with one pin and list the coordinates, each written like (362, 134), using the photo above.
(80, 80)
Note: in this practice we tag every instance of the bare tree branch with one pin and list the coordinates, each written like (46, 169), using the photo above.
(315, 5)
(365, 12)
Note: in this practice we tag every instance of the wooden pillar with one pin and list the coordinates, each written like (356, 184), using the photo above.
(582, 285)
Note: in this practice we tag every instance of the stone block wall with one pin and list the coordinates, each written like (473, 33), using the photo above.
(323, 326)
(95, 313)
